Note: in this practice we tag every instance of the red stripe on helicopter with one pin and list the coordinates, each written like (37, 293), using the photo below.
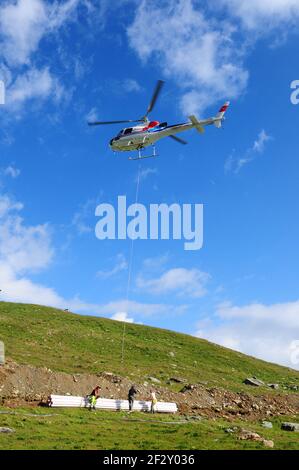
(224, 108)
(151, 125)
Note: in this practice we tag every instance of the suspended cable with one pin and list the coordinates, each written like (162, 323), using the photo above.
(130, 271)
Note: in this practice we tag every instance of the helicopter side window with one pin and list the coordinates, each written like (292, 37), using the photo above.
(128, 130)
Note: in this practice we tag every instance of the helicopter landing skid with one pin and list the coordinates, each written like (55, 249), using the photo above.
(141, 157)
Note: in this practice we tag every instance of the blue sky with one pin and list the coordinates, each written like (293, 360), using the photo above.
(66, 62)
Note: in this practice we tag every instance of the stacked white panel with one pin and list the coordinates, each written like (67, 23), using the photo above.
(109, 404)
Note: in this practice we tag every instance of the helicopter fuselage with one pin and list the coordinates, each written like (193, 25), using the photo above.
(138, 137)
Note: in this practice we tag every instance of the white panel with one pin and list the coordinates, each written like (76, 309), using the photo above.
(110, 404)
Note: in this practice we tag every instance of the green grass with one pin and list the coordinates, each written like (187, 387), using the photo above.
(81, 429)
(61, 341)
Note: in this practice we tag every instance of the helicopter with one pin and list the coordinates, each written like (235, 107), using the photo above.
(149, 132)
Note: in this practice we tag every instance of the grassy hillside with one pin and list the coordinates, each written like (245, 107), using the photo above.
(79, 429)
(62, 341)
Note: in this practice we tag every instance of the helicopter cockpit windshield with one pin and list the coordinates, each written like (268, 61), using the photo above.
(126, 131)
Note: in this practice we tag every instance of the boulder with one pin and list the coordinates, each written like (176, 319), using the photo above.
(249, 436)
(290, 427)
(187, 388)
(231, 430)
(178, 380)
(6, 430)
(268, 443)
(253, 381)
(154, 379)
(274, 386)
(267, 424)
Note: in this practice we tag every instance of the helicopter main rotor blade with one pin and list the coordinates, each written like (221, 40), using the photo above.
(156, 93)
(178, 139)
(151, 105)
(100, 123)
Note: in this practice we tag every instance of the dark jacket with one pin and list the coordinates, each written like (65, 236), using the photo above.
(132, 392)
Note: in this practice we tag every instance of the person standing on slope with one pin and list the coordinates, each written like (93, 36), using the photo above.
(93, 396)
(154, 401)
(131, 396)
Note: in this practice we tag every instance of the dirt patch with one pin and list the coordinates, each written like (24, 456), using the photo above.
(219, 402)
(24, 384)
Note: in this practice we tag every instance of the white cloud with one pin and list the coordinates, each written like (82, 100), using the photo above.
(92, 115)
(129, 307)
(146, 172)
(33, 84)
(260, 142)
(5, 73)
(120, 265)
(60, 12)
(11, 171)
(8, 205)
(266, 14)
(197, 52)
(264, 331)
(19, 288)
(235, 164)
(27, 249)
(119, 87)
(181, 281)
(156, 262)
(22, 289)
(81, 218)
(23, 23)
(204, 47)
(140, 309)
(131, 85)
(123, 317)
(22, 248)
